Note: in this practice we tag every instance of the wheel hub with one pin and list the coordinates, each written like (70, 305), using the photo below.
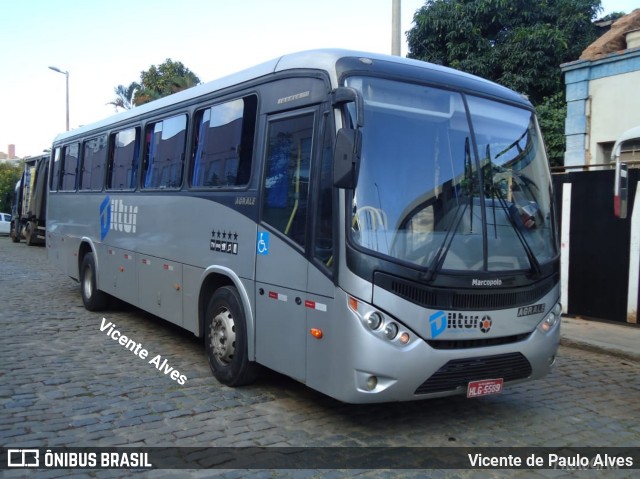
(87, 283)
(222, 336)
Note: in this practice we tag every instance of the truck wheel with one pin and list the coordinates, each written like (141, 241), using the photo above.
(29, 234)
(226, 339)
(92, 297)
(14, 232)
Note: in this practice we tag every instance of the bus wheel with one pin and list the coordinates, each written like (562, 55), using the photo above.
(226, 339)
(92, 297)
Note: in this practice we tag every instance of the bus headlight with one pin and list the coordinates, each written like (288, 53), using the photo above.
(374, 320)
(379, 324)
(551, 319)
(391, 330)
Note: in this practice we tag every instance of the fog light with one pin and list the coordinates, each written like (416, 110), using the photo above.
(391, 331)
(372, 382)
(374, 320)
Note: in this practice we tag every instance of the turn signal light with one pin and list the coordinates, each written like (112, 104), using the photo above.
(316, 333)
(353, 304)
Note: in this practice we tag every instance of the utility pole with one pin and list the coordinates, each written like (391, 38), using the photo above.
(395, 27)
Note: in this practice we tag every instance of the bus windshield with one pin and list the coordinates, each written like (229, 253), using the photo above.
(450, 181)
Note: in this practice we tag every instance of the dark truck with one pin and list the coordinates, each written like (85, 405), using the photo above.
(30, 202)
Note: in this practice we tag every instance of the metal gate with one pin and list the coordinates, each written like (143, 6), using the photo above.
(600, 253)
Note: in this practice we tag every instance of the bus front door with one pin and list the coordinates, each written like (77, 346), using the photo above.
(281, 265)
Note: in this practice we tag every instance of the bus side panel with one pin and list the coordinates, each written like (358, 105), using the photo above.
(281, 283)
(63, 240)
(160, 287)
(191, 282)
(117, 273)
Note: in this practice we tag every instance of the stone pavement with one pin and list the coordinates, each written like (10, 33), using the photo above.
(63, 382)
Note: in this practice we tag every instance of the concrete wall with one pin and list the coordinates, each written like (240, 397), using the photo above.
(615, 107)
(603, 100)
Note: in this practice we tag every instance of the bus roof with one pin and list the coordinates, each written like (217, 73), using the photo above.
(323, 59)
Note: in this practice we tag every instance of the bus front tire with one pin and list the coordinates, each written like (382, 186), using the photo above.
(225, 332)
(92, 297)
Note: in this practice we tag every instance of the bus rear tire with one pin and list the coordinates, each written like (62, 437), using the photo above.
(225, 332)
(92, 297)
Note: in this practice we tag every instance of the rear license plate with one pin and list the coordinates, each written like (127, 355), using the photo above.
(484, 387)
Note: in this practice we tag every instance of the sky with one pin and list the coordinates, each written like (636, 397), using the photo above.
(106, 43)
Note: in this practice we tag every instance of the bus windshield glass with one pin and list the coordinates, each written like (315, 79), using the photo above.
(450, 181)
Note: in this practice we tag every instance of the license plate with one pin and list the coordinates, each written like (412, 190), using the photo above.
(484, 387)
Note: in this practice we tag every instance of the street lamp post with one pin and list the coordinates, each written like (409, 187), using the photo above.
(66, 74)
(395, 27)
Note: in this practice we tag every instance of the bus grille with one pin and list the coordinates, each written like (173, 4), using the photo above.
(475, 343)
(459, 372)
(461, 299)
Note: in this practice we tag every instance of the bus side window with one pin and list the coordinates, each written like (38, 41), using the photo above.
(223, 146)
(94, 159)
(286, 181)
(165, 142)
(55, 170)
(123, 160)
(69, 167)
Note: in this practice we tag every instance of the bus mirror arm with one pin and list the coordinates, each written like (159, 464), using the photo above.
(345, 94)
(346, 158)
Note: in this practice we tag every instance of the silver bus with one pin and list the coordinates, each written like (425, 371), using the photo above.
(378, 228)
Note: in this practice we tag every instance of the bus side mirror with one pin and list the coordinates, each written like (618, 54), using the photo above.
(346, 158)
(621, 190)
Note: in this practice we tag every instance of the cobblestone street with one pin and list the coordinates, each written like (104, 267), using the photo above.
(64, 382)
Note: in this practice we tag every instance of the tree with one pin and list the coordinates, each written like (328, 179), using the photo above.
(124, 96)
(517, 43)
(551, 115)
(612, 17)
(165, 79)
(9, 176)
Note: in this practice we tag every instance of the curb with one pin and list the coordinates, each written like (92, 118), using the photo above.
(587, 346)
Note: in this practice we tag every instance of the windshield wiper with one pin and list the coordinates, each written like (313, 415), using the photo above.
(496, 192)
(533, 261)
(438, 259)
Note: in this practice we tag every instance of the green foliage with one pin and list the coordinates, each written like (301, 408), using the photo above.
(157, 82)
(517, 43)
(612, 17)
(124, 96)
(551, 115)
(9, 176)
(165, 79)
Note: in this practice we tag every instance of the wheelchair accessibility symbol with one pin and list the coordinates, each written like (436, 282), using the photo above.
(262, 246)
